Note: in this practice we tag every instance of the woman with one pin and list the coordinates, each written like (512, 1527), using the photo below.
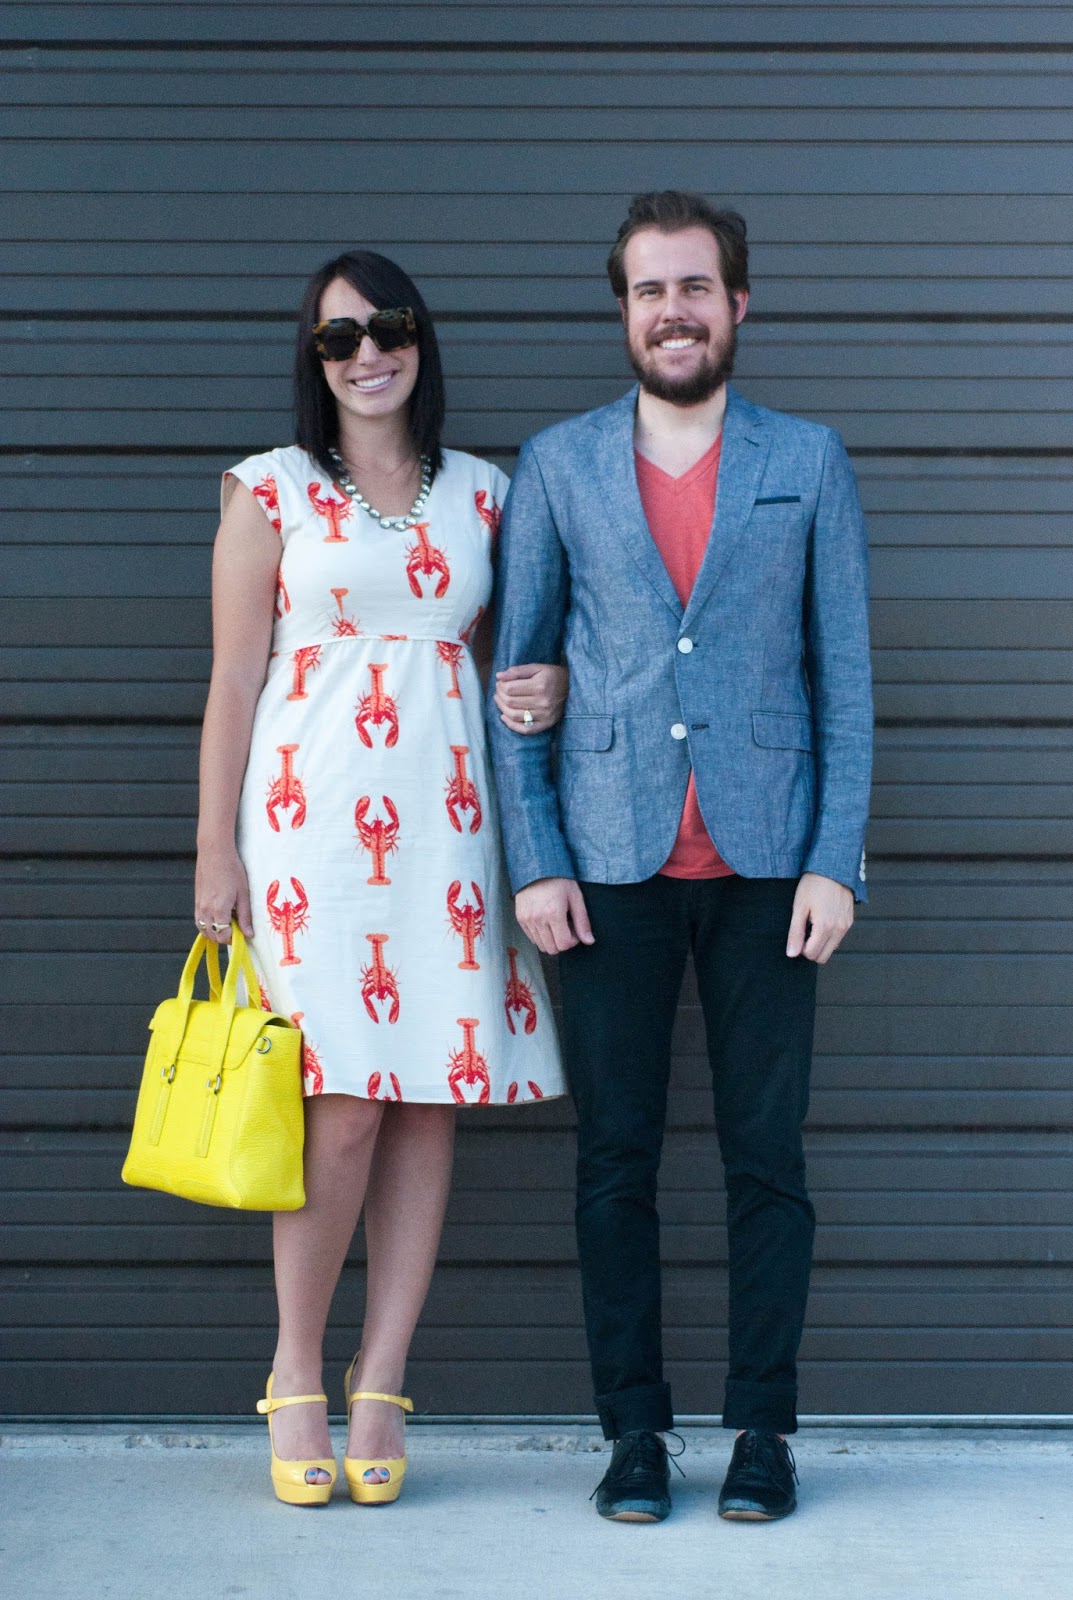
(356, 566)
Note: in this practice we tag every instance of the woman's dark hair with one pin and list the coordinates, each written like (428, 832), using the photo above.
(672, 211)
(384, 285)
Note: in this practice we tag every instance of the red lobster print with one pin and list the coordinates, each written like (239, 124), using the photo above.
(372, 1088)
(491, 515)
(467, 921)
(379, 837)
(289, 918)
(450, 655)
(266, 1004)
(519, 996)
(462, 792)
(534, 1088)
(466, 634)
(311, 1066)
(268, 494)
(305, 659)
(377, 707)
(378, 981)
(335, 512)
(467, 1066)
(286, 791)
(283, 599)
(426, 559)
(343, 627)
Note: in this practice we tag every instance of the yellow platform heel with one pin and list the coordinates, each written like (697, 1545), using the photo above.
(289, 1477)
(387, 1489)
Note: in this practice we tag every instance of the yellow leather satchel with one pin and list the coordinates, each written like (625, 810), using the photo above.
(219, 1116)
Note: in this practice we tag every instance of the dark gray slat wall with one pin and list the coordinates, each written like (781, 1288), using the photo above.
(943, 1081)
(952, 541)
(135, 789)
(884, 386)
(669, 23)
(901, 1166)
(478, 1319)
(980, 80)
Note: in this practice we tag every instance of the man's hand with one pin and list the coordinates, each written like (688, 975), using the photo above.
(552, 913)
(823, 910)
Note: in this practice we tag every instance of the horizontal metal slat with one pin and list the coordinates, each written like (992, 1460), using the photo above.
(659, 23)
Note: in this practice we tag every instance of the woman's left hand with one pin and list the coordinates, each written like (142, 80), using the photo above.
(539, 690)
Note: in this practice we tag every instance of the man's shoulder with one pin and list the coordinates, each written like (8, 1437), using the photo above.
(783, 426)
(574, 435)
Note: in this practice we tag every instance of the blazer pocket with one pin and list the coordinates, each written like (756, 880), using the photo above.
(586, 733)
(778, 500)
(782, 730)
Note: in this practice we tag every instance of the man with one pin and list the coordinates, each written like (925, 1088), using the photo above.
(702, 564)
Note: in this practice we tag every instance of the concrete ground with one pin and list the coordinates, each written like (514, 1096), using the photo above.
(184, 1512)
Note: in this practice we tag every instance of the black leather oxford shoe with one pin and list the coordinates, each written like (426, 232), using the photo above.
(637, 1485)
(759, 1485)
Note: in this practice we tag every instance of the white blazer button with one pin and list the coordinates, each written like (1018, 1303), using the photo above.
(685, 646)
(678, 730)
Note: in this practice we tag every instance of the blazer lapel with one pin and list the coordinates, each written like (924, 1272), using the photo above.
(741, 465)
(617, 477)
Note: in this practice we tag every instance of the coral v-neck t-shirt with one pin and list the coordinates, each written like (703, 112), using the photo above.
(679, 512)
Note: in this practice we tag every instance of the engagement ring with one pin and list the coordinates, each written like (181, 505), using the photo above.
(527, 718)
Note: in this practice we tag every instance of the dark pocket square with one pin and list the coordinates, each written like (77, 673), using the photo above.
(779, 500)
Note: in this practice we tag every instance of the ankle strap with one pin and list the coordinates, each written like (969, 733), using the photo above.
(266, 1406)
(371, 1394)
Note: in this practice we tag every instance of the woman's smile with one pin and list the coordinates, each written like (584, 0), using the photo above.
(372, 383)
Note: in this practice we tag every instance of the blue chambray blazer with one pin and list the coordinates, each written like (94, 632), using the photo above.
(762, 682)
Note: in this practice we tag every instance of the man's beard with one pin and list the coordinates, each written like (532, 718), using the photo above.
(713, 371)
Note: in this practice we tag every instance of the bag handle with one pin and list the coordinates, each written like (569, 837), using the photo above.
(224, 994)
(203, 946)
(238, 960)
(212, 967)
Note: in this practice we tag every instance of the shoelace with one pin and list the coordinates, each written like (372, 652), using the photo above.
(762, 1451)
(646, 1453)
(672, 1455)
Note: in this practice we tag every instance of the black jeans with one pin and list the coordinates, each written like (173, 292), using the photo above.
(619, 1001)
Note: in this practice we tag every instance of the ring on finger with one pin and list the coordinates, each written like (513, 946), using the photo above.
(527, 717)
(220, 927)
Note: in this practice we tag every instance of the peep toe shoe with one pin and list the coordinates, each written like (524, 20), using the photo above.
(289, 1477)
(387, 1475)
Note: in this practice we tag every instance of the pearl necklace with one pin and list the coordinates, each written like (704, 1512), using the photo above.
(346, 482)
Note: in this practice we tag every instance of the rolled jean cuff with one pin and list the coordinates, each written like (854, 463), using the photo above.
(772, 1406)
(647, 1406)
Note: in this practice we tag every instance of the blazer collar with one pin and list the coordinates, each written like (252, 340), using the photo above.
(627, 526)
(741, 464)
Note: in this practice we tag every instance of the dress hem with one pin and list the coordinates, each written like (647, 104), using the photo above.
(459, 1105)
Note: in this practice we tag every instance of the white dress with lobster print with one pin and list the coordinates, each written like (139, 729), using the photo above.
(368, 826)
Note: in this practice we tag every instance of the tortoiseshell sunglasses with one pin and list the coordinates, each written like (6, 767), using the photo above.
(339, 338)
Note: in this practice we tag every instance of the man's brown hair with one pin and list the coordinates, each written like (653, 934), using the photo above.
(672, 211)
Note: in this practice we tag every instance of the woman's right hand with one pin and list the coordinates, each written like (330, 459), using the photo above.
(537, 689)
(221, 891)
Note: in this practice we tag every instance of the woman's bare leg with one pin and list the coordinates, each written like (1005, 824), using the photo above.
(404, 1206)
(310, 1247)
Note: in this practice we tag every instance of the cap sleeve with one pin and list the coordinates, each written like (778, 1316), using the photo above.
(262, 478)
(489, 498)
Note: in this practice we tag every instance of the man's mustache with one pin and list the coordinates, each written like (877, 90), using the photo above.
(681, 330)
